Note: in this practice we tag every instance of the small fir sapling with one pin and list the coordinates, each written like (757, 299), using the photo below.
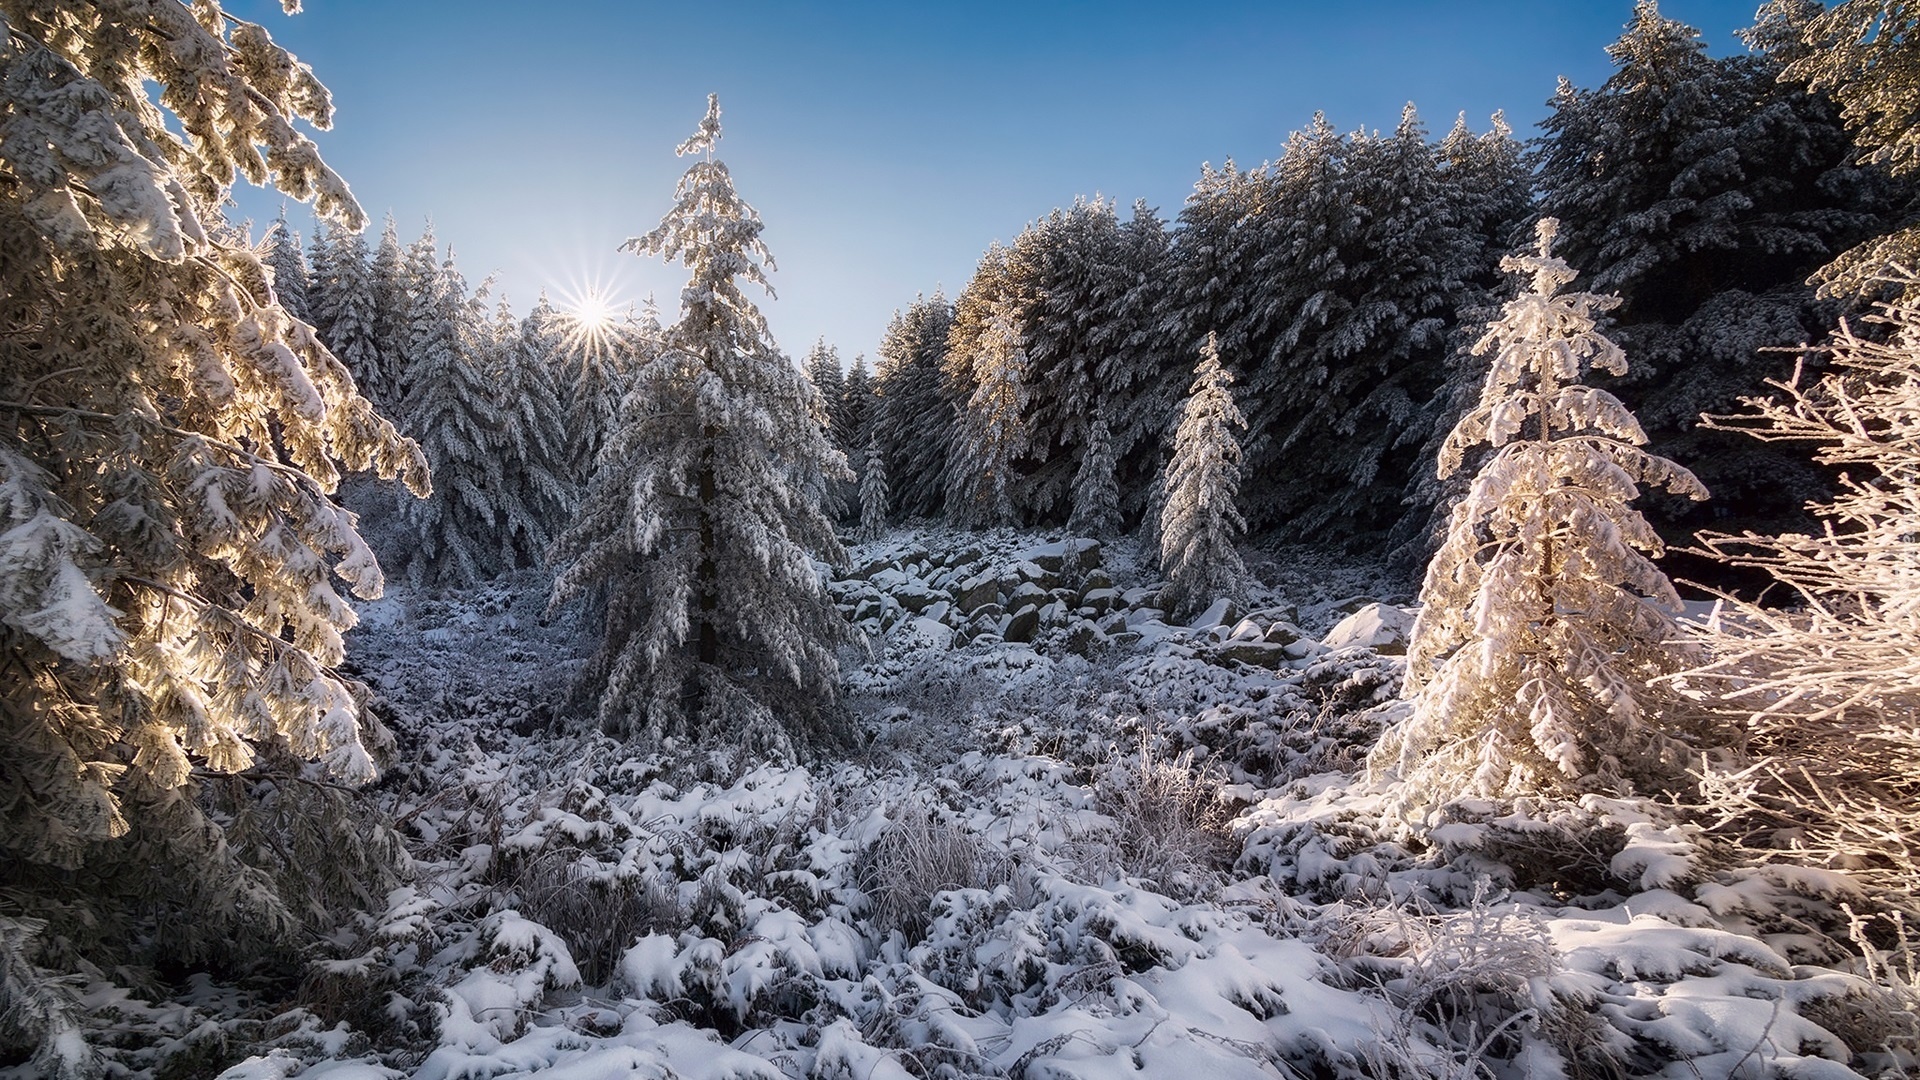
(1544, 621)
(1200, 520)
(1096, 491)
(873, 495)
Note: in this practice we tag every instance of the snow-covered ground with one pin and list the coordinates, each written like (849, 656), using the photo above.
(1078, 841)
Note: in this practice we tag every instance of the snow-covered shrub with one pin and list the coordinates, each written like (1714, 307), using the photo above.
(1169, 822)
(1881, 1022)
(599, 915)
(1831, 686)
(39, 1011)
(920, 854)
(1543, 618)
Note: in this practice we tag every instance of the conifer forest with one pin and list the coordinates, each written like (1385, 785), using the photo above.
(1443, 602)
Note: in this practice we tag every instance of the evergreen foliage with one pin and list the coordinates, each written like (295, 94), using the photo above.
(1337, 273)
(534, 496)
(452, 410)
(1096, 495)
(392, 311)
(993, 427)
(1704, 192)
(168, 544)
(1200, 519)
(289, 267)
(823, 370)
(352, 328)
(853, 412)
(598, 364)
(873, 495)
(320, 277)
(695, 523)
(1544, 623)
(1083, 291)
(915, 408)
(1865, 56)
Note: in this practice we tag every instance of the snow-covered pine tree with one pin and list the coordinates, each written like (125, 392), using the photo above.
(539, 471)
(993, 427)
(853, 413)
(534, 497)
(694, 522)
(453, 534)
(599, 362)
(168, 546)
(320, 275)
(1096, 494)
(289, 266)
(1489, 187)
(914, 408)
(873, 494)
(392, 310)
(823, 369)
(352, 318)
(1141, 380)
(1544, 623)
(1832, 682)
(1705, 191)
(1200, 519)
(1865, 56)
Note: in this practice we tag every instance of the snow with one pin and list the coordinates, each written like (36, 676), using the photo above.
(1146, 857)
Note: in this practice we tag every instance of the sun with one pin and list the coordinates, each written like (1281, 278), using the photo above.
(594, 324)
(594, 313)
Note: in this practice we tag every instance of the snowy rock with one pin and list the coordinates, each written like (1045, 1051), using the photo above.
(1223, 612)
(1255, 653)
(1381, 627)
(916, 596)
(977, 593)
(1055, 557)
(1285, 633)
(1026, 593)
(1024, 624)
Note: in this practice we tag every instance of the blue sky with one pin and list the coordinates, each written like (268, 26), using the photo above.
(885, 145)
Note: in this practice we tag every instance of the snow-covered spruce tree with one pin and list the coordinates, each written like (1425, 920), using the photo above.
(1544, 623)
(392, 310)
(352, 327)
(597, 360)
(717, 623)
(823, 370)
(1096, 493)
(282, 256)
(169, 438)
(453, 534)
(537, 489)
(1704, 192)
(1833, 683)
(915, 407)
(1865, 56)
(873, 494)
(853, 413)
(320, 277)
(531, 500)
(1200, 520)
(993, 427)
